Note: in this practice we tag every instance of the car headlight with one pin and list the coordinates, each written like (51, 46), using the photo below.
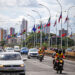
(1, 66)
(22, 65)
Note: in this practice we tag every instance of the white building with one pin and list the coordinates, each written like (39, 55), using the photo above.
(24, 26)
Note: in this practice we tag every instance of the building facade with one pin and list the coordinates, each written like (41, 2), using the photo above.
(12, 41)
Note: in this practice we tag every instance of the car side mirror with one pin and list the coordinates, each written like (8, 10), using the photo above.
(24, 59)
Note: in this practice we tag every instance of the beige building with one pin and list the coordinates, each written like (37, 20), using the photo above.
(18, 40)
(12, 41)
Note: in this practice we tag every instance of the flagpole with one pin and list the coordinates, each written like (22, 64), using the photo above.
(41, 25)
(56, 36)
(61, 21)
(68, 22)
(34, 24)
(50, 20)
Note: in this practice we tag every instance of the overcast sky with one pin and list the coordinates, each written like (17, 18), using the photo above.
(13, 11)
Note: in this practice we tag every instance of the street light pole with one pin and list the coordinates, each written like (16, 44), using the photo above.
(68, 22)
(34, 24)
(61, 21)
(41, 26)
(50, 20)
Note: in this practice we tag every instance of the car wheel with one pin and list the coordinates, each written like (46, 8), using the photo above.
(23, 74)
(28, 57)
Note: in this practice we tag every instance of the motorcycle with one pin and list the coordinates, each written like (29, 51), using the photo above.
(59, 65)
(41, 57)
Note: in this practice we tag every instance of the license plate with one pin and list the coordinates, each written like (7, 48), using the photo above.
(60, 64)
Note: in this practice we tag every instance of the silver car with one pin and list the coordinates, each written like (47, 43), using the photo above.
(12, 62)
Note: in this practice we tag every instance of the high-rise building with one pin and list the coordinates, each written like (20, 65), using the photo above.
(12, 31)
(63, 32)
(4, 34)
(1, 34)
(24, 27)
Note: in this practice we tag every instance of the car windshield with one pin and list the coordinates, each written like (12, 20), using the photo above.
(33, 50)
(0, 50)
(25, 48)
(16, 48)
(10, 57)
(9, 48)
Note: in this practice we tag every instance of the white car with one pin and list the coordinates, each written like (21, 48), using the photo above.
(33, 53)
(9, 49)
(12, 62)
(16, 49)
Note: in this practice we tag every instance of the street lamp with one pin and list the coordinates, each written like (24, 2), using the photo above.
(41, 25)
(68, 22)
(61, 21)
(34, 24)
(50, 18)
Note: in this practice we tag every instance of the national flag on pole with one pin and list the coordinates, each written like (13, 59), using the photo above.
(66, 19)
(55, 23)
(60, 17)
(34, 29)
(21, 33)
(45, 25)
(8, 37)
(39, 27)
(64, 34)
(71, 34)
(38, 31)
(48, 24)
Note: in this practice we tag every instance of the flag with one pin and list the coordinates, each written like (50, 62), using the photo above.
(38, 31)
(45, 25)
(20, 33)
(48, 24)
(60, 17)
(8, 37)
(40, 27)
(64, 34)
(66, 19)
(55, 23)
(34, 29)
(71, 34)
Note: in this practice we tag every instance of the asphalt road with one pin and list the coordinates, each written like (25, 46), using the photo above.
(35, 67)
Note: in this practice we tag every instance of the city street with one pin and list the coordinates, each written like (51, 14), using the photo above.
(35, 67)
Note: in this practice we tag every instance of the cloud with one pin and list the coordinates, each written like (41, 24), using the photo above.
(19, 3)
(16, 10)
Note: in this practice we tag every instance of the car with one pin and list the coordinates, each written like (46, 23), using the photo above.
(17, 49)
(1, 50)
(12, 62)
(9, 49)
(33, 53)
(68, 50)
(24, 50)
